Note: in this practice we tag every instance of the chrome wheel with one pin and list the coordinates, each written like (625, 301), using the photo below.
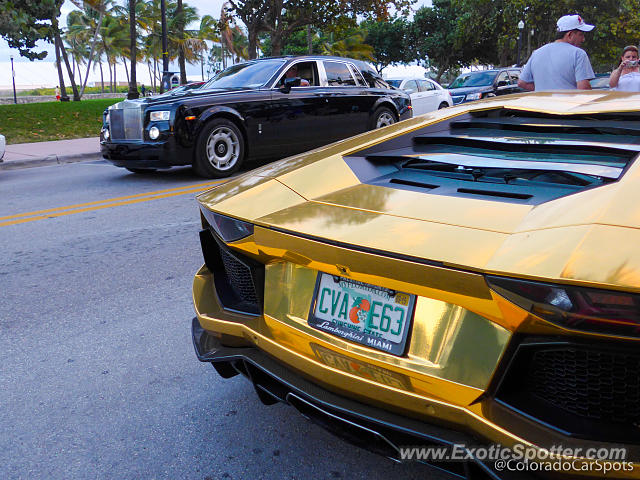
(385, 119)
(223, 148)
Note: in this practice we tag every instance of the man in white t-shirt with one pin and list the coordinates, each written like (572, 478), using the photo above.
(560, 65)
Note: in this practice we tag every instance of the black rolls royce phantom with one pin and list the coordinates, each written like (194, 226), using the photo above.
(262, 109)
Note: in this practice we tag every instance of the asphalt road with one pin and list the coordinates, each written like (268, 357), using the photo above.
(98, 378)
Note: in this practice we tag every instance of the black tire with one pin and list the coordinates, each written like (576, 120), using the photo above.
(141, 170)
(382, 117)
(219, 149)
(443, 105)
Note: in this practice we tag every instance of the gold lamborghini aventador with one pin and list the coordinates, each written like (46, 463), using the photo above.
(465, 280)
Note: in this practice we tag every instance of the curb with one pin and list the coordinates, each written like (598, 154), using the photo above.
(50, 160)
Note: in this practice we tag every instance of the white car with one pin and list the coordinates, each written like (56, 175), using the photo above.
(426, 95)
(2, 144)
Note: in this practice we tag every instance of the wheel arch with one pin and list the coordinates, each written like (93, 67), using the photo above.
(226, 113)
(385, 102)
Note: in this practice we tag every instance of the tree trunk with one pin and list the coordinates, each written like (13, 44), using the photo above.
(115, 76)
(156, 66)
(155, 72)
(276, 45)
(253, 43)
(126, 70)
(63, 90)
(133, 36)
(110, 75)
(183, 66)
(76, 96)
(151, 79)
(101, 78)
(93, 46)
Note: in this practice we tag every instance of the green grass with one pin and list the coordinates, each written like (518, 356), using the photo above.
(41, 122)
(37, 92)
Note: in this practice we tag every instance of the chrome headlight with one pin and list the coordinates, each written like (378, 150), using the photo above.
(106, 134)
(154, 133)
(161, 115)
(474, 96)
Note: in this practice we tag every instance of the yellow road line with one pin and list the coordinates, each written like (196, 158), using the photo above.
(109, 200)
(99, 205)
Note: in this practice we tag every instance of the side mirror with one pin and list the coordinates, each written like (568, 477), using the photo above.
(503, 83)
(289, 83)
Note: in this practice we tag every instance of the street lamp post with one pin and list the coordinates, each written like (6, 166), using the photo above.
(13, 79)
(520, 28)
(165, 84)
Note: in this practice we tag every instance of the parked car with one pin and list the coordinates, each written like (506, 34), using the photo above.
(481, 84)
(186, 87)
(601, 82)
(251, 110)
(3, 144)
(468, 280)
(426, 95)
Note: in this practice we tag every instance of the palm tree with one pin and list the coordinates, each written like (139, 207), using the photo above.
(86, 25)
(75, 40)
(226, 35)
(180, 41)
(57, 36)
(239, 43)
(208, 31)
(63, 90)
(150, 17)
(114, 37)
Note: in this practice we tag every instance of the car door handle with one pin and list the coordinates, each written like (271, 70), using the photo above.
(321, 95)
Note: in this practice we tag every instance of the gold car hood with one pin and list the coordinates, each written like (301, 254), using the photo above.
(317, 195)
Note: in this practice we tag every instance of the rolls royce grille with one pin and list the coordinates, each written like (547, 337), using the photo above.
(126, 123)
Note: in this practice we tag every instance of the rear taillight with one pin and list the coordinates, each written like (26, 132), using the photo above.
(227, 228)
(577, 308)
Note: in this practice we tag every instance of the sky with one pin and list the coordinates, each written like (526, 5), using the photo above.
(33, 74)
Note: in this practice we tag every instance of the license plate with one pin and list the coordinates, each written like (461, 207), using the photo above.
(373, 316)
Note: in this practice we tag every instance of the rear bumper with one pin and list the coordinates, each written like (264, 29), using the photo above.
(369, 427)
(432, 408)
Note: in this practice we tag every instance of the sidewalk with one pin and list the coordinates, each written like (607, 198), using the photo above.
(26, 155)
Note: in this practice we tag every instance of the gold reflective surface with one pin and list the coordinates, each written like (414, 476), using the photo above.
(313, 215)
